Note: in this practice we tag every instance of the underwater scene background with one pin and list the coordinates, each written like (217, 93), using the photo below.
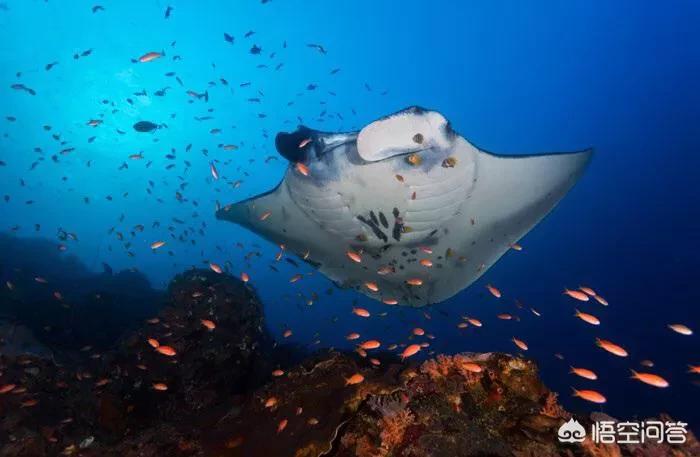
(512, 77)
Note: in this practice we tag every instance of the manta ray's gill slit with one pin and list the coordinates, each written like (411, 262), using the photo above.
(373, 217)
(382, 219)
(376, 230)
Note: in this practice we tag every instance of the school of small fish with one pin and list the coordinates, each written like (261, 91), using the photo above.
(221, 170)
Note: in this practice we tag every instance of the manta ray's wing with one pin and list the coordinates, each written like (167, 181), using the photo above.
(510, 196)
(274, 216)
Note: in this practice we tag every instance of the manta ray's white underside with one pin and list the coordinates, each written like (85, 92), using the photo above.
(405, 193)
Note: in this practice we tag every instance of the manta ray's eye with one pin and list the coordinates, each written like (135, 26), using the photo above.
(418, 138)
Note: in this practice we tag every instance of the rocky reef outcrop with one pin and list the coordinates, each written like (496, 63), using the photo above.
(204, 378)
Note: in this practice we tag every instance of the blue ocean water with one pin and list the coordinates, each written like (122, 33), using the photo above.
(512, 77)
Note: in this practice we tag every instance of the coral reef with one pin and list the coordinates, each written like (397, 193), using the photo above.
(212, 393)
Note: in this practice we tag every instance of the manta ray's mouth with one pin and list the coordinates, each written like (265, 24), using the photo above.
(306, 145)
(292, 146)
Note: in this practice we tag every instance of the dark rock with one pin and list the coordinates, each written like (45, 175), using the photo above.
(73, 307)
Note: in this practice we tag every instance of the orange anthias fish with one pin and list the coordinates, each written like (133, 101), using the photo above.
(601, 300)
(157, 244)
(29, 403)
(410, 350)
(370, 344)
(215, 268)
(360, 312)
(495, 292)
(611, 347)
(584, 373)
(681, 329)
(282, 425)
(588, 318)
(166, 350)
(354, 379)
(208, 324)
(6, 388)
(160, 386)
(471, 367)
(372, 286)
(302, 169)
(474, 322)
(650, 378)
(154, 343)
(587, 290)
(521, 344)
(418, 331)
(352, 336)
(354, 256)
(150, 56)
(576, 294)
(590, 395)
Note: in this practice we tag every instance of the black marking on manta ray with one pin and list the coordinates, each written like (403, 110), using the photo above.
(382, 219)
(398, 225)
(374, 218)
(373, 226)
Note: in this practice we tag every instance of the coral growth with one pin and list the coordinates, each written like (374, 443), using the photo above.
(393, 428)
(213, 396)
(552, 408)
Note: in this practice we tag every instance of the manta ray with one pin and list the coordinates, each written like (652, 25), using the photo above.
(406, 210)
